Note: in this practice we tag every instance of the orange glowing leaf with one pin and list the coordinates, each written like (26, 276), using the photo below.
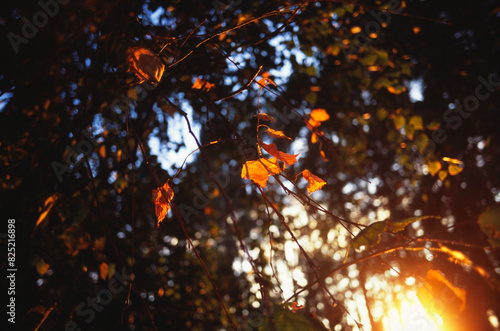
(145, 64)
(103, 270)
(315, 183)
(288, 159)
(265, 80)
(296, 307)
(259, 170)
(276, 134)
(433, 167)
(265, 117)
(439, 296)
(451, 160)
(453, 169)
(162, 203)
(319, 115)
(201, 84)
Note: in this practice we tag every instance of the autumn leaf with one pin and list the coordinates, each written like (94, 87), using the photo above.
(103, 270)
(453, 169)
(416, 122)
(396, 89)
(276, 134)
(439, 296)
(162, 203)
(451, 160)
(315, 183)
(369, 236)
(265, 80)
(489, 222)
(200, 84)
(145, 64)
(399, 121)
(442, 174)
(433, 167)
(396, 226)
(265, 117)
(317, 116)
(288, 159)
(259, 170)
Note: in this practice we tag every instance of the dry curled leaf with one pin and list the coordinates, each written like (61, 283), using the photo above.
(200, 84)
(162, 203)
(145, 64)
(276, 134)
(315, 183)
(288, 159)
(265, 117)
(259, 170)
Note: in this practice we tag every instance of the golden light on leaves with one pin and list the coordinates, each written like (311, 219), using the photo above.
(396, 89)
(259, 170)
(451, 160)
(288, 159)
(200, 84)
(440, 296)
(318, 115)
(442, 174)
(162, 203)
(145, 64)
(276, 134)
(315, 183)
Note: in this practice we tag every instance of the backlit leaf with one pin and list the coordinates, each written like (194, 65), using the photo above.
(369, 236)
(442, 174)
(315, 183)
(433, 167)
(451, 160)
(453, 169)
(259, 170)
(276, 134)
(288, 159)
(162, 203)
(399, 121)
(439, 296)
(145, 64)
(489, 222)
(416, 122)
(396, 226)
(317, 116)
(200, 84)
(265, 117)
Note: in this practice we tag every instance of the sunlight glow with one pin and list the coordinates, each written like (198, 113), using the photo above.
(410, 317)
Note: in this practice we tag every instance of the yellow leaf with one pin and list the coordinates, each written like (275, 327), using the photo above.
(162, 203)
(265, 117)
(276, 134)
(439, 296)
(416, 122)
(315, 183)
(450, 160)
(145, 64)
(265, 80)
(442, 174)
(489, 222)
(433, 167)
(410, 131)
(288, 159)
(259, 170)
(421, 141)
(399, 121)
(453, 169)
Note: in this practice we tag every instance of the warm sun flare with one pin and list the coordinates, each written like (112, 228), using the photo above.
(411, 317)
